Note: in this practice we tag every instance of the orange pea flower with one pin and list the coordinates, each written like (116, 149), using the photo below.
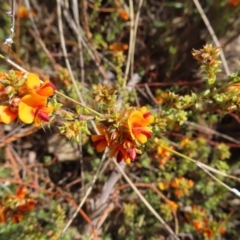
(33, 83)
(100, 142)
(172, 205)
(138, 124)
(47, 89)
(190, 183)
(147, 115)
(163, 152)
(7, 115)
(32, 108)
(175, 183)
(125, 151)
(198, 225)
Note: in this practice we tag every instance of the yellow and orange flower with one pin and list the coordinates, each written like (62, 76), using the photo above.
(176, 182)
(173, 205)
(163, 152)
(28, 100)
(34, 85)
(7, 115)
(138, 124)
(47, 89)
(198, 225)
(33, 108)
(100, 142)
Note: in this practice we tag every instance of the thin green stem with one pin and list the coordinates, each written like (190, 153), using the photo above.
(82, 105)
(13, 64)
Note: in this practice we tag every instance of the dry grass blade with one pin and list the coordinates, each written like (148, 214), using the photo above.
(88, 191)
(143, 199)
(63, 44)
(131, 43)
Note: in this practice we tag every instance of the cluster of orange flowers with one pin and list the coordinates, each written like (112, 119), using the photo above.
(173, 205)
(180, 185)
(163, 155)
(125, 134)
(23, 96)
(209, 228)
(162, 151)
(15, 207)
(161, 97)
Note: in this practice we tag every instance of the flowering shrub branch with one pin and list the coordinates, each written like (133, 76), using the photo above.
(23, 97)
(125, 133)
(156, 140)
